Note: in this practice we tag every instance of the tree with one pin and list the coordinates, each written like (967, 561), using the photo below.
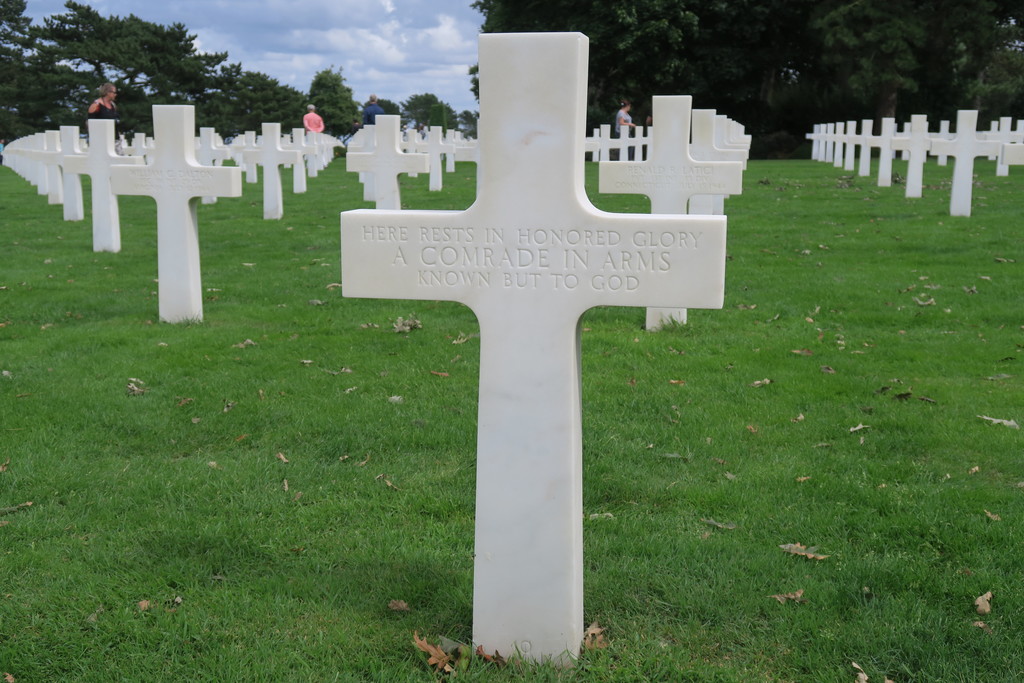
(334, 101)
(248, 99)
(468, 121)
(419, 108)
(14, 40)
(390, 108)
(77, 51)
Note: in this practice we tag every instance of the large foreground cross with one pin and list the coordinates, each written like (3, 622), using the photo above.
(176, 181)
(529, 257)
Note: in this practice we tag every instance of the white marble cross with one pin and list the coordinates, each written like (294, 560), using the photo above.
(916, 144)
(964, 147)
(840, 137)
(176, 181)
(529, 257)
(97, 163)
(272, 157)
(945, 135)
(671, 174)
(74, 208)
(865, 138)
(299, 172)
(884, 143)
(830, 143)
(852, 140)
(386, 160)
(816, 144)
(434, 146)
(211, 151)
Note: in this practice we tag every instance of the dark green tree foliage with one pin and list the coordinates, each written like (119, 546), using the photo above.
(390, 108)
(779, 66)
(637, 49)
(13, 74)
(77, 51)
(419, 108)
(250, 99)
(468, 121)
(334, 101)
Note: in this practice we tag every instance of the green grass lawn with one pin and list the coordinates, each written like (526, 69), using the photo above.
(250, 511)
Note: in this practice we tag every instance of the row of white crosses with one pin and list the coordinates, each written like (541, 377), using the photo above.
(175, 169)
(529, 257)
(381, 152)
(836, 143)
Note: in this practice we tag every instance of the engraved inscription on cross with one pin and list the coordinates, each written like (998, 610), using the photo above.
(177, 181)
(529, 257)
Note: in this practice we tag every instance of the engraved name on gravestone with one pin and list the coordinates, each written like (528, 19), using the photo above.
(529, 257)
(177, 181)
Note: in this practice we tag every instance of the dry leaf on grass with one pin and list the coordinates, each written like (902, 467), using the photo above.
(439, 374)
(135, 390)
(993, 516)
(8, 678)
(15, 508)
(997, 421)
(398, 606)
(593, 637)
(827, 370)
(983, 626)
(496, 658)
(796, 596)
(859, 427)
(761, 383)
(718, 525)
(144, 605)
(437, 657)
(983, 603)
(4, 464)
(803, 551)
(802, 352)
(802, 479)
(280, 456)
(861, 676)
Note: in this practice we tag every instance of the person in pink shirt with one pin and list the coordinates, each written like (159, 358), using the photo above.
(312, 121)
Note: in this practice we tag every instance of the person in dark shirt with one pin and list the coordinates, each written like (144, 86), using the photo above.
(372, 111)
(103, 107)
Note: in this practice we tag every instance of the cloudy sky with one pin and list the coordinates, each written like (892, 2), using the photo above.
(393, 48)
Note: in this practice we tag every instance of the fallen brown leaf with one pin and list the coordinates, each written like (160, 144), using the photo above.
(439, 374)
(398, 606)
(593, 637)
(803, 551)
(280, 456)
(802, 352)
(144, 605)
(993, 516)
(3, 465)
(802, 479)
(973, 470)
(798, 418)
(796, 596)
(761, 382)
(437, 657)
(677, 381)
(8, 678)
(983, 626)
(496, 658)
(859, 427)
(285, 485)
(827, 370)
(719, 525)
(997, 421)
(15, 508)
(983, 603)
